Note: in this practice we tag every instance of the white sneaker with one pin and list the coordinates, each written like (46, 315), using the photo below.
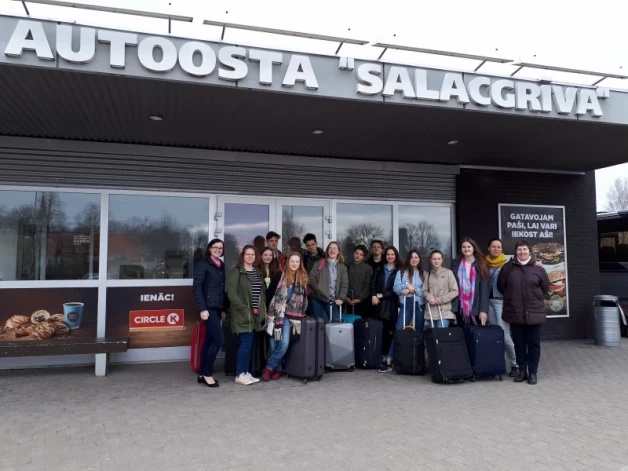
(251, 378)
(243, 380)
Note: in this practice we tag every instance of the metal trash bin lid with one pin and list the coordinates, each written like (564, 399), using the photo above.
(606, 297)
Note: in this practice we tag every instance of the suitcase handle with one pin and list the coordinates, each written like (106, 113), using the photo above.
(413, 311)
(331, 312)
(440, 312)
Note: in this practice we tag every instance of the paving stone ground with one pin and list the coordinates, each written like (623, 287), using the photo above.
(156, 417)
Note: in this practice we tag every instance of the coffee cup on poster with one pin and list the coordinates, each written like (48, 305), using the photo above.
(72, 314)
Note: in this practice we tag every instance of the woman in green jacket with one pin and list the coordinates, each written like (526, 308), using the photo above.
(247, 297)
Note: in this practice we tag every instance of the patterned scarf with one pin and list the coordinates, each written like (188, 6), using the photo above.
(466, 277)
(294, 309)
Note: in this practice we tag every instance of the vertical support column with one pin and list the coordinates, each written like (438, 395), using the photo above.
(102, 358)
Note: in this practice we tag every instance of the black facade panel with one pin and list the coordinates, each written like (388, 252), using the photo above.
(480, 191)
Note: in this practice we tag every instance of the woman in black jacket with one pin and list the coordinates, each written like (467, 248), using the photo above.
(209, 297)
(472, 276)
(385, 301)
(524, 285)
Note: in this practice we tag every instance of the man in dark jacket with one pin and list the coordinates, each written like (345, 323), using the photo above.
(524, 285)
(360, 274)
(313, 254)
(376, 260)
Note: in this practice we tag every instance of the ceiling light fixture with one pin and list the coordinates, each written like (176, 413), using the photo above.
(453, 142)
(318, 132)
(156, 117)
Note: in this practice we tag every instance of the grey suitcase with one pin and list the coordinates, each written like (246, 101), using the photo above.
(305, 358)
(339, 344)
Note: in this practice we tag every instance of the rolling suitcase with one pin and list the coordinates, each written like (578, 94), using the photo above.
(368, 342)
(339, 344)
(305, 358)
(447, 352)
(409, 346)
(486, 350)
(198, 337)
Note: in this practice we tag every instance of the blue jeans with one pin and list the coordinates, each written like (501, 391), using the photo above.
(279, 348)
(495, 309)
(212, 343)
(244, 353)
(320, 309)
(419, 318)
(440, 324)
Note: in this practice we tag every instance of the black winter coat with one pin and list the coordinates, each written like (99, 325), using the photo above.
(209, 286)
(481, 295)
(310, 260)
(524, 288)
(388, 307)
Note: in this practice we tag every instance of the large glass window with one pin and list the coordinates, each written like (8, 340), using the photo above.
(425, 228)
(243, 223)
(156, 236)
(361, 223)
(296, 221)
(47, 235)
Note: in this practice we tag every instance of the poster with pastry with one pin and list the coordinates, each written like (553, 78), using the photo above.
(31, 314)
(544, 228)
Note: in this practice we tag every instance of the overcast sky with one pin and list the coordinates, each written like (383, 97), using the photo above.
(554, 32)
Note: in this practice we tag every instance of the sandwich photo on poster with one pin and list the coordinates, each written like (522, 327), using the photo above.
(544, 228)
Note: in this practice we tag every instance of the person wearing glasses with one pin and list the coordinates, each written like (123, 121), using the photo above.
(209, 297)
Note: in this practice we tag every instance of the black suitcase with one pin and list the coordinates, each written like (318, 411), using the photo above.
(409, 346)
(448, 353)
(305, 357)
(230, 347)
(368, 342)
(259, 352)
(486, 350)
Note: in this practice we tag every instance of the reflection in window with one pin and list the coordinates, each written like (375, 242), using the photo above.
(49, 235)
(156, 236)
(362, 223)
(425, 228)
(296, 221)
(243, 223)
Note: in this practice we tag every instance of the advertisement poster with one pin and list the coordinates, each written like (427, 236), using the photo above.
(544, 228)
(161, 316)
(29, 314)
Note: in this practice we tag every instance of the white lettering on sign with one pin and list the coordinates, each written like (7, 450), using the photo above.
(198, 59)
(156, 297)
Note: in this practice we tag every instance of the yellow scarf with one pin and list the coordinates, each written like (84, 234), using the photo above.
(496, 262)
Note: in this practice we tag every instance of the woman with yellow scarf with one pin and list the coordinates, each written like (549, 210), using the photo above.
(496, 260)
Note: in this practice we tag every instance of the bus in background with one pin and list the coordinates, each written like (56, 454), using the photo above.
(612, 233)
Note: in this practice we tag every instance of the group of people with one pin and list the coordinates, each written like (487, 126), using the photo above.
(269, 290)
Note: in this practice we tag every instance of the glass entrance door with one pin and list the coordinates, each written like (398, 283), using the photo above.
(295, 218)
(239, 221)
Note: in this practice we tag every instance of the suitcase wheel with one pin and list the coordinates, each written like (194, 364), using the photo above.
(500, 378)
(304, 380)
(352, 368)
(319, 378)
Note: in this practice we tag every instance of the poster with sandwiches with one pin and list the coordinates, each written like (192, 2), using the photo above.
(544, 228)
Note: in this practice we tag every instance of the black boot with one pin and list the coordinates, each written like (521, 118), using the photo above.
(523, 375)
(532, 379)
(514, 372)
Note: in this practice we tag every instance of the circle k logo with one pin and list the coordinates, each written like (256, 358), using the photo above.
(173, 318)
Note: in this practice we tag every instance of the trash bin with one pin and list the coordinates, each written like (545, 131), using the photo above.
(606, 311)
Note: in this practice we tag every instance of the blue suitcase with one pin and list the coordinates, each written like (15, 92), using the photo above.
(486, 350)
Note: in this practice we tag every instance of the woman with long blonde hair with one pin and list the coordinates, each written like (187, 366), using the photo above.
(329, 280)
(285, 312)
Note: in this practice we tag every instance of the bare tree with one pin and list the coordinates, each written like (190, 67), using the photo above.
(290, 227)
(362, 234)
(617, 195)
(421, 236)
